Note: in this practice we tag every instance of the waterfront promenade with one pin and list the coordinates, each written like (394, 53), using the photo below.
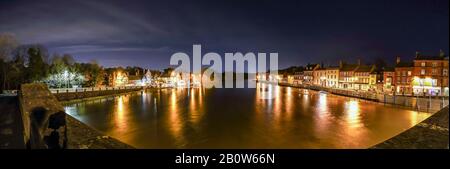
(423, 104)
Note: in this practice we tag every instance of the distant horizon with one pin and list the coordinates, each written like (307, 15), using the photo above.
(389, 63)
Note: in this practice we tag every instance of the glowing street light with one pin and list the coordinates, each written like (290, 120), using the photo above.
(66, 77)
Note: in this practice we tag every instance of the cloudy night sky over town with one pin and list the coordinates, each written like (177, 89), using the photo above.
(147, 33)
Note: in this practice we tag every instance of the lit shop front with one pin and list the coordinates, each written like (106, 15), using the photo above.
(426, 86)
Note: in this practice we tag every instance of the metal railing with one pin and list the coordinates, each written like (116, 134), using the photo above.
(91, 89)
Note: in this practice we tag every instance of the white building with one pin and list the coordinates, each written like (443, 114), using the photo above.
(320, 77)
(332, 77)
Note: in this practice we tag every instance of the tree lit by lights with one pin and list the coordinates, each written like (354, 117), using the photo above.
(64, 78)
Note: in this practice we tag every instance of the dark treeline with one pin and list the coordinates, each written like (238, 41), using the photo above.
(32, 63)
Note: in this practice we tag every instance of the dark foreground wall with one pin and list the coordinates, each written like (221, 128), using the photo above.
(47, 126)
(44, 119)
(11, 128)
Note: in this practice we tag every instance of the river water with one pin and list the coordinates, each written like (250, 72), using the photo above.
(240, 118)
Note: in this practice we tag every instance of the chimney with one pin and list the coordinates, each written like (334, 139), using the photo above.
(359, 61)
(417, 54)
(341, 64)
(398, 59)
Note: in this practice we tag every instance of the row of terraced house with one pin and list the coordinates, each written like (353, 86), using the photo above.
(421, 75)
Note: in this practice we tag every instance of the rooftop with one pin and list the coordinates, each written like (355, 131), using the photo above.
(388, 69)
(405, 64)
(420, 57)
(311, 66)
(333, 68)
(364, 68)
(348, 67)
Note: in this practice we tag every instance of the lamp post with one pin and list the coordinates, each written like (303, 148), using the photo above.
(66, 74)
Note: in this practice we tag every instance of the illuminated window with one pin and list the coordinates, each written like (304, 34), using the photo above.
(422, 72)
(434, 64)
(445, 72)
(423, 64)
(409, 73)
(434, 71)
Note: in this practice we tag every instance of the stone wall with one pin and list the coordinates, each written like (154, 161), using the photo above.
(47, 126)
(44, 119)
(82, 93)
(431, 133)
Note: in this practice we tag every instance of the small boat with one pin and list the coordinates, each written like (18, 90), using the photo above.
(323, 92)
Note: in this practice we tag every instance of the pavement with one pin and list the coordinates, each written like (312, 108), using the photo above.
(11, 128)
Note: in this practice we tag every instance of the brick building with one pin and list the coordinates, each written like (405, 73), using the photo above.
(388, 79)
(403, 77)
(430, 75)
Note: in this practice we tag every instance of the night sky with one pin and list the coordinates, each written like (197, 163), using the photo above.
(147, 33)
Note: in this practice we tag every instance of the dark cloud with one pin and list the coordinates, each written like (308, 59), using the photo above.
(147, 33)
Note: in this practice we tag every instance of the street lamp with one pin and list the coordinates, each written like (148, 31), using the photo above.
(66, 74)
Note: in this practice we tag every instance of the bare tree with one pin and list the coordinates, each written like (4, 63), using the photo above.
(8, 43)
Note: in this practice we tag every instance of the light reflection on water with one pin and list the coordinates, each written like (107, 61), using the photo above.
(240, 118)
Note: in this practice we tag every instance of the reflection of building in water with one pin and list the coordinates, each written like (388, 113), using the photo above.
(175, 122)
(288, 102)
(322, 104)
(353, 113)
(120, 114)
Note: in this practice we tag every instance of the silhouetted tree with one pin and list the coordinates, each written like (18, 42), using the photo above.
(8, 44)
(37, 69)
(93, 73)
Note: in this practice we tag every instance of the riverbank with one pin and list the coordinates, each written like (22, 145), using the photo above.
(415, 103)
(431, 133)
